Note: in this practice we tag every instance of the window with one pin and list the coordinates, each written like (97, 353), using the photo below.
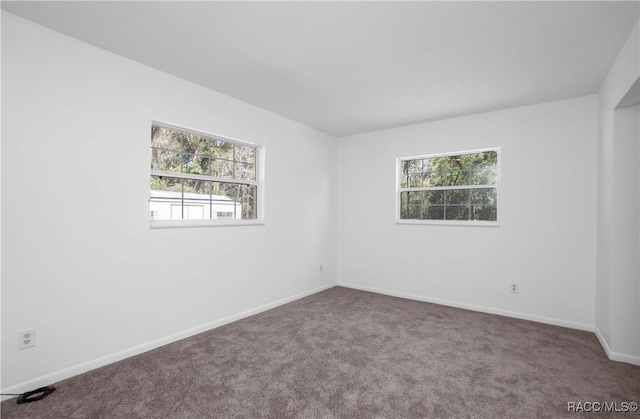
(453, 188)
(201, 177)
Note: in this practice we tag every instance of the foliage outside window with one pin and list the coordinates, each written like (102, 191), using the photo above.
(196, 176)
(454, 188)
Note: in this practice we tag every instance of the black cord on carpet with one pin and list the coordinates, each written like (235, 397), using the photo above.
(33, 395)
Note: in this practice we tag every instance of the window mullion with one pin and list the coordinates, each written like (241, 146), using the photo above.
(446, 188)
(202, 177)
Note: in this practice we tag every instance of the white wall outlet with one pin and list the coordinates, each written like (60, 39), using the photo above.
(26, 338)
(513, 287)
(321, 268)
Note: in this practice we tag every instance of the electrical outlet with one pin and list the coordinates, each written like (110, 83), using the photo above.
(26, 338)
(514, 287)
(321, 268)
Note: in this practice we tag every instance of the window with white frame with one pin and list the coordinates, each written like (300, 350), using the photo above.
(451, 188)
(197, 176)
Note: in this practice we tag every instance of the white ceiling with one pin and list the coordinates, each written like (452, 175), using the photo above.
(352, 67)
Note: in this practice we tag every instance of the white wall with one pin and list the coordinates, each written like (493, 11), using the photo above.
(546, 238)
(626, 244)
(617, 308)
(97, 282)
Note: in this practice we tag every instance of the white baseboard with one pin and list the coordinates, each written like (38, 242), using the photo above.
(616, 356)
(136, 350)
(473, 307)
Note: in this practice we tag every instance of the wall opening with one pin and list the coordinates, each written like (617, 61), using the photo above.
(626, 244)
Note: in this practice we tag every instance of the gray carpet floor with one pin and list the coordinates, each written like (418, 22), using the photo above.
(352, 354)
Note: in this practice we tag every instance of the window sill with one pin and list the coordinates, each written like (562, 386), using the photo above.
(203, 223)
(451, 223)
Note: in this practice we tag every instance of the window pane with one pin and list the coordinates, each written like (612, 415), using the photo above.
(436, 163)
(245, 171)
(176, 212)
(221, 189)
(458, 212)
(246, 154)
(201, 188)
(166, 183)
(246, 192)
(434, 177)
(433, 212)
(457, 178)
(165, 160)
(429, 164)
(166, 138)
(414, 166)
(456, 196)
(433, 197)
(195, 144)
(479, 160)
(228, 208)
(224, 199)
(404, 182)
(415, 181)
(247, 198)
(166, 193)
(222, 169)
(484, 176)
(199, 165)
(404, 198)
(237, 198)
(248, 211)
(222, 150)
(195, 212)
(484, 196)
(416, 198)
(196, 199)
(414, 212)
(404, 205)
(484, 212)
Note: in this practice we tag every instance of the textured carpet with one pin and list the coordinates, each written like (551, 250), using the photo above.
(352, 354)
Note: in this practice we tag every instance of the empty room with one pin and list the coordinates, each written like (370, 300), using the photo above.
(301, 209)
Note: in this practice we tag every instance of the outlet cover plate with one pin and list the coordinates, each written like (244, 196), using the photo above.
(26, 338)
